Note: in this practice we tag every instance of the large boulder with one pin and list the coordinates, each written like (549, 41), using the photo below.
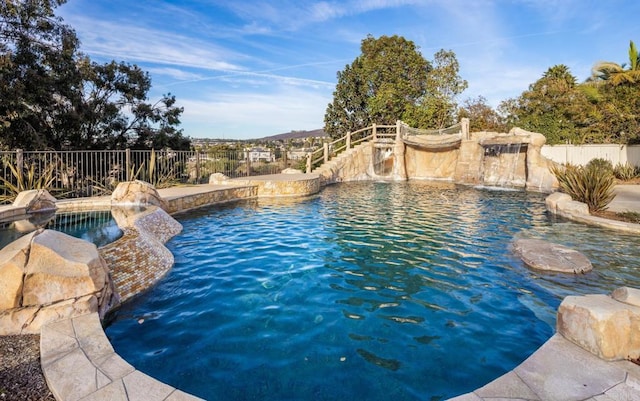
(35, 200)
(137, 193)
(218, 179)
(48, 275)
(602, 325)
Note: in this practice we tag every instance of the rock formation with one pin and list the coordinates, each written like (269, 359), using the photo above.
(547, 256)
(47, 275)
(137, 193)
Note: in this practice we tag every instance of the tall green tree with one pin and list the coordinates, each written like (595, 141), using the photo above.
(437, 108)
(553, 105)
(53, 96)
(378, 86)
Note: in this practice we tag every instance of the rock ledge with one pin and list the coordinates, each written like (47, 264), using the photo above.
(543, 255)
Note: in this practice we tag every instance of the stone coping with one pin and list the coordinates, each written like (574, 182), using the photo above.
(79, 363)
(560, 370)
(563, 205)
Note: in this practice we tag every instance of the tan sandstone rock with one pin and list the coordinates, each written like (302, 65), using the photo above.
(13, 259)
(35, 200)
(46, 276)
(627, 295)
(137, 193)
(218, 178)
(601, 325)
(543, 255)
(62, 267)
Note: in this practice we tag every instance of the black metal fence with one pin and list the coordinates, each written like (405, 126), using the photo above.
(72, 174)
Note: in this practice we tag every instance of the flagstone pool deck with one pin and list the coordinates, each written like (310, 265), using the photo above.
(80, 363)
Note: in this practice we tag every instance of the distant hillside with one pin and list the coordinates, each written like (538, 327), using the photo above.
(316, 133)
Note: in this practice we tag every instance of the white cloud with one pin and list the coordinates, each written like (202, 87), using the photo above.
(137, 44)
(174, 73)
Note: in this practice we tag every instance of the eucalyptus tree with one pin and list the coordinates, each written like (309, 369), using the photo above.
(53, 96)
(437, 108)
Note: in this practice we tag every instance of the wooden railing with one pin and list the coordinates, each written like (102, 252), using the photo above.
(330, 150)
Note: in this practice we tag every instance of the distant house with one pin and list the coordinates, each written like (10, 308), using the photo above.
(298, 154)
(260, 155)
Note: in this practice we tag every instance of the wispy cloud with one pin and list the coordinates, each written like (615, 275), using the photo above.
(138, 44)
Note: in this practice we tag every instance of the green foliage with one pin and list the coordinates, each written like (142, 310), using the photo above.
(391, 80)
(600, 164)
(482, 117)
(25, 179)
(592, 184)
(377, 86)
(625, 172)
(53, 96)
(619, 74)
(604, 109)
(443, 86)
(161, 172)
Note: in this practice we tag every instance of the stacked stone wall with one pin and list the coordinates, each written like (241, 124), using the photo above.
(183, 203)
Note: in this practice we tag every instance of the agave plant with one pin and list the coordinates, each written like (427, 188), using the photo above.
(592, 184)
(25, 179)
(158, 172)
(625, 172)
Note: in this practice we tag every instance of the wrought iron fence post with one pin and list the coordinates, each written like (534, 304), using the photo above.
(127, 163)
(197, 167)
(19, 160)
(248, 161)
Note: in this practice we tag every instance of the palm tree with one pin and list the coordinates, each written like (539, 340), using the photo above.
(619, 74)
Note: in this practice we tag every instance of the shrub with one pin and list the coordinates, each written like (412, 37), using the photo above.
(592, 184)
(600, 163)
(625, 172)
(26, 179)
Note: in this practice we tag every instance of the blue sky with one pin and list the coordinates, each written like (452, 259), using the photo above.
(249, 69)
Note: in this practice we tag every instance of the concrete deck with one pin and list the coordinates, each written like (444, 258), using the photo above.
(80, 363)
(559, 371)
(627, 199)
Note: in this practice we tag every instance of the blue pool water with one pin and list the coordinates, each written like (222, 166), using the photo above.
(369, 291)
(97, 227)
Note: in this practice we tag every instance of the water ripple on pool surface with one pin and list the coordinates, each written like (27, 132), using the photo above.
(369, 291)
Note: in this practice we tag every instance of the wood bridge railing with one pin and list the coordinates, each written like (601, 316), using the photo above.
(382, 133)
(330, 150)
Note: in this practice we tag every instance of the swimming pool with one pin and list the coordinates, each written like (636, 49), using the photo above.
(374, 291)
